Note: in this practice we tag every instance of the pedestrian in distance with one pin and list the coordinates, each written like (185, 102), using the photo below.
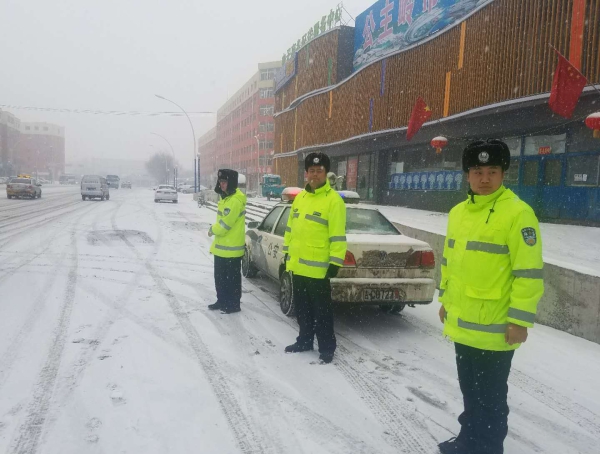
(315, 247)
(228, 246)
(492, 281)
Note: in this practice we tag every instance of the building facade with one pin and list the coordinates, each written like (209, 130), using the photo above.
(484, 69)
(10, 135)
(41, 150)
(244, 136)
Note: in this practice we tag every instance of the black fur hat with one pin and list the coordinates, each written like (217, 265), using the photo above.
(490, 152)
(316, 159)
(231, 176)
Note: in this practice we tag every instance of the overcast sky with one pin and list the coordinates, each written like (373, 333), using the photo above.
(116, 54)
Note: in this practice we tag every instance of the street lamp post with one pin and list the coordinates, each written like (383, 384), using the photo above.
(257, 165)
(196, 176)
(173, 153)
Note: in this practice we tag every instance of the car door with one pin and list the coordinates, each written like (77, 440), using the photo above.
(261, 244)
(275, 244)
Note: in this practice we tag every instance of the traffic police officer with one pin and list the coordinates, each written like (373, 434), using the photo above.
(315, 247)
(492, 280)
(228, 246)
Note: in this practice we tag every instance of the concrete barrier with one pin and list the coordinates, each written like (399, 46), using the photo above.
(571, 300)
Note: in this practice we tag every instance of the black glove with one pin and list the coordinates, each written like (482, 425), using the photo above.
(332, 271)
(285, 258)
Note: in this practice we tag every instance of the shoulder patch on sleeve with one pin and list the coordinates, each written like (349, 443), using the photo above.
(226, 211)
(529, 236)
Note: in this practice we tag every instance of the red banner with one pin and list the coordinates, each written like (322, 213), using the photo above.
(352, 174)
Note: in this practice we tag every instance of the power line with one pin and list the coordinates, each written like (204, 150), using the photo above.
(131, 113)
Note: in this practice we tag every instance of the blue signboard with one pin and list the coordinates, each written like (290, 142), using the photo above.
(392, 25)
(445, 180)
(286, 72)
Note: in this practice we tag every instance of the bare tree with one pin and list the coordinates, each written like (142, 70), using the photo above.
(160, 166)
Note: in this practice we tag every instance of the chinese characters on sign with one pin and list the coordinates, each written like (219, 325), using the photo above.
(545, 150)
(389, 26)
(444, 180)
(326, 23)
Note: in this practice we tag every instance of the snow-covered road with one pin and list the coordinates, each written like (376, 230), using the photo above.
(106, 346)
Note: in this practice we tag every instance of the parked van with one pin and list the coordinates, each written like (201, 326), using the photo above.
(94, 186)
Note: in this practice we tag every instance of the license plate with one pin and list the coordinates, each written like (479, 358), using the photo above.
(91, 189)
(376, 294)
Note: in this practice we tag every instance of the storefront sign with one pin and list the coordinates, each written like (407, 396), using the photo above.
(580, 177)
(545, 150)
(326, 23)
(392, 25)
(286, 73)
(446, 180)
(352, 175)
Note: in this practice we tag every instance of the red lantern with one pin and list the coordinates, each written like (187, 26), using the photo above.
(593, 122)
(438, 143)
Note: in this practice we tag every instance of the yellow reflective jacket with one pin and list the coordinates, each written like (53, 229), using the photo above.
(230, 228)
(316, 232)
(492, 269)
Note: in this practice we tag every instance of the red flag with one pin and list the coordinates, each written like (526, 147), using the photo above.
(566, 88)
(420, 114)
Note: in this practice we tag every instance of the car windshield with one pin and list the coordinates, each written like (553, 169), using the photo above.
(166, 187)
(91, 180)
(20, 180)
(359, 220)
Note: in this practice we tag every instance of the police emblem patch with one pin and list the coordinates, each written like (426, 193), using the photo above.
(529, 236)
(316, 160)
(226, 211)
(484, 157)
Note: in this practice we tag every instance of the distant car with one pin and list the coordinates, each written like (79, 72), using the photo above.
(126, 184)
(113, 181)
(165, 193)
(382, 266)
(186, 189)
(23, 186)
(94, 187)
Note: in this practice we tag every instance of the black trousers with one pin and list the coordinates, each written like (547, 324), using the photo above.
(315, 312)
(483, 378)
(228, 281)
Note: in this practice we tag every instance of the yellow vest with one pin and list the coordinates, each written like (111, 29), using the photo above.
(316, 232)
(230, 228)
(492, 269)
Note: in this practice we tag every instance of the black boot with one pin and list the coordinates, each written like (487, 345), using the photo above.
(215, 306)
(297, 348)
(454, 446)
(230, 310)
(326, 358)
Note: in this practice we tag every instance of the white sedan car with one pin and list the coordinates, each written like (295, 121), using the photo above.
(382, 266)
(165, 193)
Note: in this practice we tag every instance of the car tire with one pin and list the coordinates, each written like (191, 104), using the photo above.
(286, 294)
(102, 198)
(155, 201)
(175, 201)
(108, 197)
(83, 197)
(9, 196)
(248, 268)
(40, 196)
(393, 309)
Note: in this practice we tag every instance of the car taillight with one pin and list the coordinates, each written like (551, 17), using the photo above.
(349, 260)
(421, 259)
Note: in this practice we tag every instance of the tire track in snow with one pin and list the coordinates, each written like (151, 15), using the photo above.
(248, 440)
(33, 424)
(407, 435)
(542, 393)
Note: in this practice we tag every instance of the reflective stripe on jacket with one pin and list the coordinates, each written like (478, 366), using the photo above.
(230, 228)
(492, 269)
(316, 232)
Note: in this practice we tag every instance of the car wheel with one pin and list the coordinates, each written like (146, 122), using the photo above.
(102, 198)
(155, 201)
(9, 196)
(82, 197)
(393, 309)
(40, 196)
(107, 197)
(286, 294)
(175, 201)
(248, 268)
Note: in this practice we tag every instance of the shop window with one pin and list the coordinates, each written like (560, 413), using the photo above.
(582, 139)
(543, 145)
(530, 173)
(514, 145)
(511, 176)
(583, 170)
(552, 172)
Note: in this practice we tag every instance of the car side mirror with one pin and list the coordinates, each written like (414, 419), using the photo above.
(253, 224)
